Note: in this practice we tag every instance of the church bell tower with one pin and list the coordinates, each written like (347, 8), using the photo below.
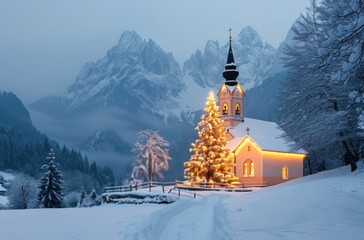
(231, 94)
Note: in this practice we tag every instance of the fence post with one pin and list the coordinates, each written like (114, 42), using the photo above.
(150, 186)
(194, 195)
(163, 187)
(179, 193)
(136, 187)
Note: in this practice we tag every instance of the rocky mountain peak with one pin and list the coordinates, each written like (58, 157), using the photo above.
(248, 36)
(133, 71)
(252, 57)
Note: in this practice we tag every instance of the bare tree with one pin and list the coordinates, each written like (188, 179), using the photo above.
(322, 101)
(151, 156)
(23, 192)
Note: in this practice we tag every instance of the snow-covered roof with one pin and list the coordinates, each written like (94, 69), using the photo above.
(7, 176)
(266, 134)
(2, 189)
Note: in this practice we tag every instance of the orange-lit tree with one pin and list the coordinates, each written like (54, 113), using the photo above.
(210, 162)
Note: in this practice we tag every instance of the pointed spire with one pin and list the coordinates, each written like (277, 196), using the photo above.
(230, 73)
(230, 58)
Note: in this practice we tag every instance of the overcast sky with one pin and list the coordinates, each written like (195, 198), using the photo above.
(43, 44)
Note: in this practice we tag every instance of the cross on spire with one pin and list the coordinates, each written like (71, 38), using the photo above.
(247, 130)
(230, 37)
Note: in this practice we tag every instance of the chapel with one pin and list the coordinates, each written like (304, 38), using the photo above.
(260, 153)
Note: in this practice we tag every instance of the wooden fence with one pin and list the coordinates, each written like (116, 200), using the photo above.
(181, 185)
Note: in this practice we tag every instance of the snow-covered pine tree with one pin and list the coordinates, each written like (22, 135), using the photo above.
(210, 161)
(51, 184)
(93, 199)
(151, 156)
(93, 195)
(82, 197)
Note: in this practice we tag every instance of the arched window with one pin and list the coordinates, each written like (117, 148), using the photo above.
(248, 170)
(284, 172)
(237, 109)
(252, 172)
(225, 109)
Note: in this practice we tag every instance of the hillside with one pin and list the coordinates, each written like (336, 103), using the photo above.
(323, 206)
(23, 149)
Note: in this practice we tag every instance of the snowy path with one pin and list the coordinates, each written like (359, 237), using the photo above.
(324, 206)
(200, 218)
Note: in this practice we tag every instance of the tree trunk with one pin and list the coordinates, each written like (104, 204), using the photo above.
(23, 197)
(349, 157)
(150, 167)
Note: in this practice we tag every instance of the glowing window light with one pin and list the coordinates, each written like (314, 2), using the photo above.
(246, 169)
(225, 108)
(284, 172)
(252, 172)
(237, 109)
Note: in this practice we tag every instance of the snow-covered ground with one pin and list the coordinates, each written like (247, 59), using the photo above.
(328, 205)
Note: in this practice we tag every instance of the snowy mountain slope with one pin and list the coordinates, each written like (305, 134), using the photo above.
(252, 56)
(263, 100)
(135, 71)
(326, 205)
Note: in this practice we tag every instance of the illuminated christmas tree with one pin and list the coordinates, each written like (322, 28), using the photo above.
(210, 161)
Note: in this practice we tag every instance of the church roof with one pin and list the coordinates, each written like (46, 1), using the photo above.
(268, 135)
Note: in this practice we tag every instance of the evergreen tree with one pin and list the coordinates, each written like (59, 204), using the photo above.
(93, 169)
(93, 195)
(51, 184)
(210, 161)
(92, 199)
(82, 197)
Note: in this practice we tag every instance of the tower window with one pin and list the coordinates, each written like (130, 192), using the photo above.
(225, 108)
(248, 170)
(284, 172)
(237, 109)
